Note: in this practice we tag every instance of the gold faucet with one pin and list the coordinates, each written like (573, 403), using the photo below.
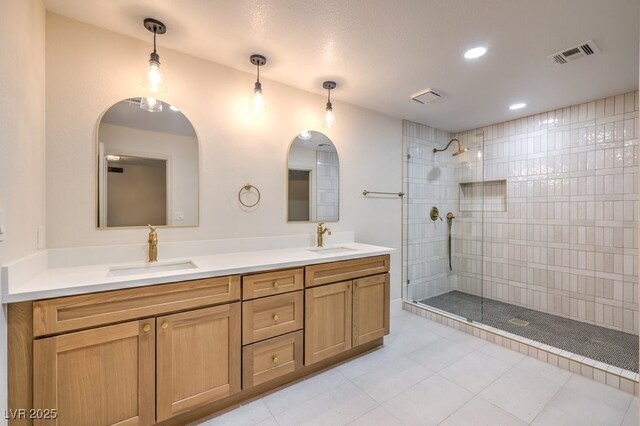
(321, 231)
(153, 244)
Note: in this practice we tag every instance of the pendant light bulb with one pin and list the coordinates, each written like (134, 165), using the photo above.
(258, 98)
(329, 117)
(152, 79)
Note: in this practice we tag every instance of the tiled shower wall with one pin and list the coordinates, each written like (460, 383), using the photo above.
(428, 182)
(327, 182)
(567, 244)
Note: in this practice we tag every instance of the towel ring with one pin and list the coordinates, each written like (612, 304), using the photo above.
(247, 187)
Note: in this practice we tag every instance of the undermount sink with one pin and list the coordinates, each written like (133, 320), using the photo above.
(331, 250)
(148, 268)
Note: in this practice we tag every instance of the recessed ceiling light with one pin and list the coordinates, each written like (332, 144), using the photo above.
(172, 108)
(476, 52)
(518, 106)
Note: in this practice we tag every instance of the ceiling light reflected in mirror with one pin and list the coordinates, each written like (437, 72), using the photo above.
(304, 135)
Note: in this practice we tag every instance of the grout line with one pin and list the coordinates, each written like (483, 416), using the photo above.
(552, 398)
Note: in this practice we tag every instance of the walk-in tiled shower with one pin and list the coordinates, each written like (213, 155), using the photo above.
(545, 221)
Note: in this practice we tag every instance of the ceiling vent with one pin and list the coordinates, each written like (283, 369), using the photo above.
(425, 96)
(587, 48)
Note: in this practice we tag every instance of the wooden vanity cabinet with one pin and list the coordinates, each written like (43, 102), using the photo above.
(346, 314)
(174, 353)
(371, 305)
(198, 358)
(327, 321)
(143, 371)
(102, 376)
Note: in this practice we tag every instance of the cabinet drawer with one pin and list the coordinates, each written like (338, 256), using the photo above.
(327, 273)
(271, 283)
(89, 310)
(271, 316)
(271, 358)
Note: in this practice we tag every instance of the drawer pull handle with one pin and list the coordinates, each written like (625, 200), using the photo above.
(165, 324)
(146, 328)
(276, 317)
(276, 284)
(275, 359)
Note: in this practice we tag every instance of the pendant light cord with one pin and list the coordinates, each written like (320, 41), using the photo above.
(155, 29)
(258, 67)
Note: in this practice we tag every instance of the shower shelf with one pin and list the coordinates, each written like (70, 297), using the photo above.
(483, 196)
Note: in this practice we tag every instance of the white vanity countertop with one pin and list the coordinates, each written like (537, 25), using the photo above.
(66, 281)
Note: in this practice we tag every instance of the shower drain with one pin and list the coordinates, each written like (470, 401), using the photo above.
(519, 322)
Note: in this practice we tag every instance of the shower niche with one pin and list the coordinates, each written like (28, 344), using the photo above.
(486, 196)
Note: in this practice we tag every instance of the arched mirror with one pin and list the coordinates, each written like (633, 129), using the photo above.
(147, 166)
(313, 179)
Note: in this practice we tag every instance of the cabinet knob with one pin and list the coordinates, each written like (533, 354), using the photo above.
(146, 328)
(275, 359)
(275, 317)
(276, 284)
(165, 324)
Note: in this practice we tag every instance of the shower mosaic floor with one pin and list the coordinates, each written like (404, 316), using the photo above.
(601, 344)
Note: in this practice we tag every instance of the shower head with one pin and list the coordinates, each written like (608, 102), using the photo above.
(459, 151)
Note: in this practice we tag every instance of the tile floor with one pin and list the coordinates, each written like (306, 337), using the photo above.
(429, 374)
(612, 347)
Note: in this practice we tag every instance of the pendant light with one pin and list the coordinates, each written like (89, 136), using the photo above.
(258, 99)
(152, 79)
(329, 118)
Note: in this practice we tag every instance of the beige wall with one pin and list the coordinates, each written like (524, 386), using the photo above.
(22, 139)
(22, 132)
(89, 69)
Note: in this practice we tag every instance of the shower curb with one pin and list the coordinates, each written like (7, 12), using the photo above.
(613, 376)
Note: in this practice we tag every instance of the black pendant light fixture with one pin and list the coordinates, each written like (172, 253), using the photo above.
(258, 99)
(329, 118)
(152, 79)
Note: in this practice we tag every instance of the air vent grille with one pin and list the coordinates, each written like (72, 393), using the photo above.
(572, 53)
(426, 96)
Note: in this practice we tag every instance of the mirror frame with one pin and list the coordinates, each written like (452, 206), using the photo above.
(96, 175)
(286, 176)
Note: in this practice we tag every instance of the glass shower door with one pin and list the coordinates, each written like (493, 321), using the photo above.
(443, 220)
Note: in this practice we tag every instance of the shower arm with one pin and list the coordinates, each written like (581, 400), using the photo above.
(447, 147)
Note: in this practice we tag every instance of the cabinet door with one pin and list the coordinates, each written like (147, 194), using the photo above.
(198, 358)
(370, 308)
(103, 376)
(327, 321)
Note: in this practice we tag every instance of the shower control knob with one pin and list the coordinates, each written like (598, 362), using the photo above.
(434, 214)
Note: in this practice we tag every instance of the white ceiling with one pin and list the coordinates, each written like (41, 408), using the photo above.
(382, 51)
